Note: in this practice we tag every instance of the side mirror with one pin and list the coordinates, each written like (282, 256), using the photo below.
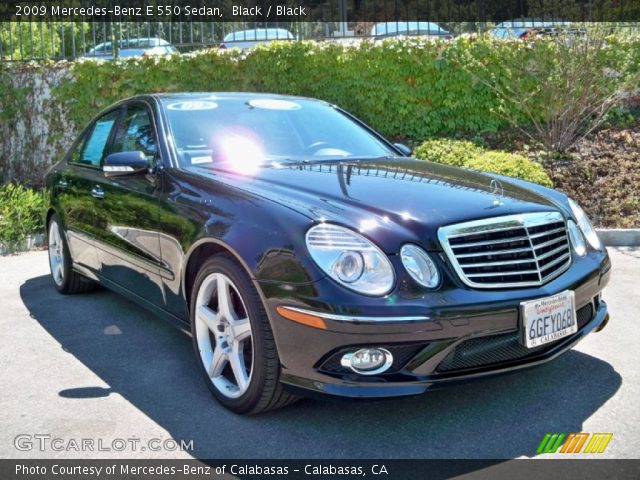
(406, 151)
(125, 163)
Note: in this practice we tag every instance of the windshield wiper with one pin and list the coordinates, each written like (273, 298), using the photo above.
(294, 161)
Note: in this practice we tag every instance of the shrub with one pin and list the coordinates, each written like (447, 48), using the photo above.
(450, 152)
(462, 153)
(511, 165)
(557, 89)
(406, 88)
(20, 214)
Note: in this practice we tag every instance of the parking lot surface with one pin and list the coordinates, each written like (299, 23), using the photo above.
(99, 367)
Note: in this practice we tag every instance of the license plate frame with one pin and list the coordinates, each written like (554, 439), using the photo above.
(545, 320)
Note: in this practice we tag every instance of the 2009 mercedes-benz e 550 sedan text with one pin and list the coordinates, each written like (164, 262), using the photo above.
(305, 253)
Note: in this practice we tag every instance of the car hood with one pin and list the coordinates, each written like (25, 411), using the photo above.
(391, 200)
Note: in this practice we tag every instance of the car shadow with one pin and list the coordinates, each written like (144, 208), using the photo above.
(151, 364)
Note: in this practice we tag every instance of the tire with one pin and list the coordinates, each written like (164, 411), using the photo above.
(64, 278)
(234, 346)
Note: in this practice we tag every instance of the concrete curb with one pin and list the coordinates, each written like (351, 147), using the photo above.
(619, 237)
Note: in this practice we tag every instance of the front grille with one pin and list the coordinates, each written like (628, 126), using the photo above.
(511, 251)
(502, 348)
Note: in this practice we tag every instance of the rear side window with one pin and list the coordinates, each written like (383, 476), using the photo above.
(136, 133)
(94, 147)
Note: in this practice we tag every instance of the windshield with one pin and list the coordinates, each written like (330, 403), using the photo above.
(256, 130)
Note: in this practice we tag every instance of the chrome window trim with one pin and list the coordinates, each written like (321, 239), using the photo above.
(493, 224)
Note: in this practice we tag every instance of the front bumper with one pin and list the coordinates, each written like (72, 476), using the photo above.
(454, 334)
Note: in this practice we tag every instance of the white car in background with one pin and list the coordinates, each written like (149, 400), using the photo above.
(403, 28)
(250, 38)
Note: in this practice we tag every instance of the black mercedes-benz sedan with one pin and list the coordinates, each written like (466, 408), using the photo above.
(304, 253)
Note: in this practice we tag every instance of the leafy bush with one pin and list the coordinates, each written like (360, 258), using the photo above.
(462, 153)
(20, 214)
(557, 89)
(511, 165)
(448, 151)
(406, 88)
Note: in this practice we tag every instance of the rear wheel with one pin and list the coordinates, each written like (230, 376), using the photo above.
(233, 341)
(64, 278)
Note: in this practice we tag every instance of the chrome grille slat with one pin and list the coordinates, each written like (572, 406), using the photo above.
(492, 264)
(550, 232)
(480, 254)
(497, 252)
(554, 262)
(550, 242)
(553, 252)
(493, 230)
(500, 274)
(492, 242)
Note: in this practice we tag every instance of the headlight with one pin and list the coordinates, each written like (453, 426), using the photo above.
(585, 225)
(420, 266)
(350, 259)
(577, 239)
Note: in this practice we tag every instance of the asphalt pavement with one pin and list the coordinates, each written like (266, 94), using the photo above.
(96, 369)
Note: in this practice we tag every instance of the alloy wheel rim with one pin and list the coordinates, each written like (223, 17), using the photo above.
(56, 253)
(223, 335)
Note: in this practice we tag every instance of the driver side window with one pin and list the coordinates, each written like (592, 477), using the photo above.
(94, 146)
(136, 133)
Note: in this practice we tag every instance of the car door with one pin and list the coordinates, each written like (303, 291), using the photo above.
(76, 191)
(128, 244)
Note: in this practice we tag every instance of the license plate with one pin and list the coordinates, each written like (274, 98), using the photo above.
(548, 319)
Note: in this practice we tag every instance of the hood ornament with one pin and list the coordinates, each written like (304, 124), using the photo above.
(497, 191)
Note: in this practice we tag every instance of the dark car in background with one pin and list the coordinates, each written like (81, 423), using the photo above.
(304, 253)
(133, 47)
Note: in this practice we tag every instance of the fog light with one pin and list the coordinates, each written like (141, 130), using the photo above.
(368, 361)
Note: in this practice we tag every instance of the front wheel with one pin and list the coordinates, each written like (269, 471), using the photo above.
(64, 278)
(233, 341)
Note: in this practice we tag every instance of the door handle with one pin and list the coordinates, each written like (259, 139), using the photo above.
(97, 192)
(63, 184)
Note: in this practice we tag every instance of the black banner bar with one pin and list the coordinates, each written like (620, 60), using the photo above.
(317, 469)
(271, 11)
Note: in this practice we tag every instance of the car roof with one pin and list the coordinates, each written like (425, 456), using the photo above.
(164, 97)
(177, 96)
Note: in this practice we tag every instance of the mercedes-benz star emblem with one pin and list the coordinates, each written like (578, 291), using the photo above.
(497, 191)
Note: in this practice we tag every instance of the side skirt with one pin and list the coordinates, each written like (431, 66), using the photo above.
(169, 317)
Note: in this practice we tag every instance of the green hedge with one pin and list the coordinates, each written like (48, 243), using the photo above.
(462, 153)
(408, 88)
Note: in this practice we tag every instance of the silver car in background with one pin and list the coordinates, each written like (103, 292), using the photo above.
(133, 47)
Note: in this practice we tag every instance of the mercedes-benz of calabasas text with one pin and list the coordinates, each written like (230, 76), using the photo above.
(304, 253)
